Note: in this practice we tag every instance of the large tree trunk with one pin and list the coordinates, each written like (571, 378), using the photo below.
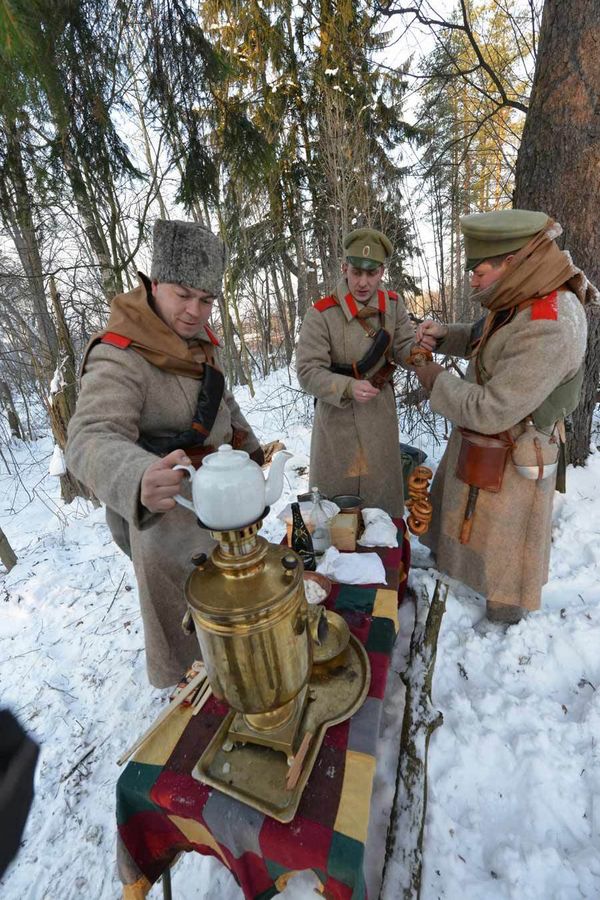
(558, 166)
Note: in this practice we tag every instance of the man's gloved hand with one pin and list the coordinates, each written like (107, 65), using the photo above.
(427, 375)
(160, 482)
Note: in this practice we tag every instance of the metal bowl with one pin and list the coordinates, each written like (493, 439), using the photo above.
(348, 503)
(532, 472)
(323, 582)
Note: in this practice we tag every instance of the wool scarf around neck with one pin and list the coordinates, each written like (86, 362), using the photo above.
(536, 270)
(132, 316)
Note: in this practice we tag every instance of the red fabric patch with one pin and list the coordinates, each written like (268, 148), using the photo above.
(117, 340)
(380, 663)
(337, 736)
(212, 336)
(299, 845)
(351, 304)
(152, 841)
(180, 795)
(252, 874)
(392, 295)
(335, 890)
(325, 303)
(381, 301)
(546, 307)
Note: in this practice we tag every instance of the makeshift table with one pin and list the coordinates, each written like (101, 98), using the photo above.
(162, 810)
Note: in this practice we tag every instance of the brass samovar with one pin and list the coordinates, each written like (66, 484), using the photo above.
(286, 670)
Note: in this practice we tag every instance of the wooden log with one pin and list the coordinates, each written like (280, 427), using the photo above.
(404, 845)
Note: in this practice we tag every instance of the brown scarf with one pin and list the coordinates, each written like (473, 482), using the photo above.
(536, 270)
(132, 316)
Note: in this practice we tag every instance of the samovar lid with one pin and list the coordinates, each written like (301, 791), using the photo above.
(228, 588)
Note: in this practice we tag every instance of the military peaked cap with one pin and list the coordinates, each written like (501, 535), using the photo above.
(495, 233)
(367, 248)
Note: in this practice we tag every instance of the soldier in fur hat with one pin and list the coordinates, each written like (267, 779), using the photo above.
(152, 395)
(348, 347)
(523, 378)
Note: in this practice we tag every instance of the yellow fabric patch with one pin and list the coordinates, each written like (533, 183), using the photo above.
(159, 746)
(386, 606)
(138, 890)
(198, 834)
(282, 882)
(355, 801)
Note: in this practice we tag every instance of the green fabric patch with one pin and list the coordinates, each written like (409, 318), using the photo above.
(345, 861)
(133, 790)
(356, 599)
(381, 636)
(274, 869)
(266, 895)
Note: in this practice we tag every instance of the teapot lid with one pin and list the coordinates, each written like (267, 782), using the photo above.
(226, 458)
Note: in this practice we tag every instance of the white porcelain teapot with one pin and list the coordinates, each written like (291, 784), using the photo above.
(230, 491)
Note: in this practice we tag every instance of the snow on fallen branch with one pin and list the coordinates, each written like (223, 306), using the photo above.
(404, 846)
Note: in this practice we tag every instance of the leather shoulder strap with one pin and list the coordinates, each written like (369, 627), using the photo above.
(325, 303)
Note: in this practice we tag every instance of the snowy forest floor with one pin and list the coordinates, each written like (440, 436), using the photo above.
(514, 775)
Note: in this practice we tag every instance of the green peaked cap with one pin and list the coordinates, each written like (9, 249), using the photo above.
(493, 233)
(367, 248)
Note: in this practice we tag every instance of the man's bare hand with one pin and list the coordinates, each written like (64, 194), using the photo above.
(427, 374)
(363, 391)
(430, 332)
(160, 483)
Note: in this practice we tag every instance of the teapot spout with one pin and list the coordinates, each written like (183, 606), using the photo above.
(274, 483)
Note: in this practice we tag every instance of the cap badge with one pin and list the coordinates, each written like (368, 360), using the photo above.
(366, 250)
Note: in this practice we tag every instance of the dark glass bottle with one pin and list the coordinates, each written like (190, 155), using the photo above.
(301, 540)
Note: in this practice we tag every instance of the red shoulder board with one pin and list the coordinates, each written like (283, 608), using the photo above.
(546, 307)
(117, 340)
(325, 303)
(392, 295)
(212, 336)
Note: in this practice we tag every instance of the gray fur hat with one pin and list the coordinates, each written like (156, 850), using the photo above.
(188, 253)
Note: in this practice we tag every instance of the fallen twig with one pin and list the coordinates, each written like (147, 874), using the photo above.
(402, 867)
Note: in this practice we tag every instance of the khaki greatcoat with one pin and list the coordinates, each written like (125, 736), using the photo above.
(355, 448)
(508, 553)
(123, 396)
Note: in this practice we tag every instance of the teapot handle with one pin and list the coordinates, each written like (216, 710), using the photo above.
(182, 500)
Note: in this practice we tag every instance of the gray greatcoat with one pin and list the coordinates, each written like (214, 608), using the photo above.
(355, 448)
(507, 556)
(123, 396)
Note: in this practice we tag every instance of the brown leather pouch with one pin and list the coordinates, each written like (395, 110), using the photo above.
(383, 375)
(482, 459)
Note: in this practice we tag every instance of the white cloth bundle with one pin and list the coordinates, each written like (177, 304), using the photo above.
(379, 531)
(352, 568)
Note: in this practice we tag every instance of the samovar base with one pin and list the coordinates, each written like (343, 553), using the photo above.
(254, 773)
(259, 728)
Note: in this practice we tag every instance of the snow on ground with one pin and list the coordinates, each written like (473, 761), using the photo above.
(514, 781)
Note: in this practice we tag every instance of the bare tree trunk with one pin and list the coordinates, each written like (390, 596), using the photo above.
(62, 402)
(7, 554)
(6, 401)
(558, 166)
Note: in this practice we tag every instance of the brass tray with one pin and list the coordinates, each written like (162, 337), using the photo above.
(257, 775)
